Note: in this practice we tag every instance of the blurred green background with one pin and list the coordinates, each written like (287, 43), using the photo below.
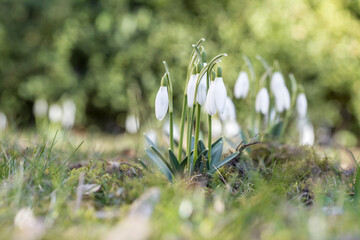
(107, 55)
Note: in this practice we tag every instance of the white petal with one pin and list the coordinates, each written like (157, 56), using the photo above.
(241, 88)
(220, 94)
(279, 101)
(307, 135)
(210, 100)
(277, 81)
(161, 103)
(262, 101)
(282, 99)
(231, 128)
(40, 108)
(201, 91)
(301, 105)
(287, 99)
(216, 128)
(55, 113)
(132, 124)
(3, 121)
(229, 112)
(191, 90)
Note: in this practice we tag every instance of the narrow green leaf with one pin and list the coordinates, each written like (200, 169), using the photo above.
(160, 164)
(201, 146)
(223, 162)
(199, 164)
(157, 152)
(183, 164)
(357, 186)
(173, 160)
(150, 142)
(276, 129)
(216, 152)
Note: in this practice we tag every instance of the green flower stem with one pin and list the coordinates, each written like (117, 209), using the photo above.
(209, 138)
(209, 118)
(189, 141)
(197, 130)
(182, 124)
(171, 106)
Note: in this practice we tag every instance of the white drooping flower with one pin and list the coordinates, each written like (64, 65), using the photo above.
(277, 81)
(301, 105)
(190, 91)
(282, 99)
(262, 101)
(216, 97)
(306, 132)
(69, 112)
(55, 113)
(161, 103)
(242, 85)
(216, 128)
(132, 124)
(231, 128)
(201, 91)
(40, 108)
(220, 94)
(280, 91)
(3, 121)
(210, 100)
(229, 112)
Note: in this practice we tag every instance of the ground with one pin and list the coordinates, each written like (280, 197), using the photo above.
(93, 187)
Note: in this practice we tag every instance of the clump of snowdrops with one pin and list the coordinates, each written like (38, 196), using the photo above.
(204, 89)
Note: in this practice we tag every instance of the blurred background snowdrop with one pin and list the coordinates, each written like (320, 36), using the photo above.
(68, 113)
(132, 124)
(280, 91)
(3, 122)
(242, 85)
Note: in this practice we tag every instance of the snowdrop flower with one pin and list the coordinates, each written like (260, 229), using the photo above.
(3, 121)
(231, 128)
(301, 105)
(191, 89)
(216, 97)
(132, 124)
(210, 100)
(216, 128)
(306, 132)
(229, 112)
(262, 101)
(40, 108)
(161, 103)
(201, 91)
(69, 111)
(242, 85)
(280, 91)
(282, 99)
(277, 81)
(55, 113)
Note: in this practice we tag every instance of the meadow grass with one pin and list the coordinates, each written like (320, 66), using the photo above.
(78, 191)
